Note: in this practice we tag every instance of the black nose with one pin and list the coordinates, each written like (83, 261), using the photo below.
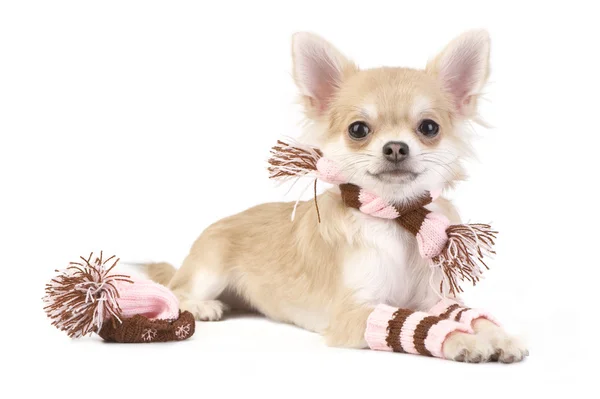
(395, 151)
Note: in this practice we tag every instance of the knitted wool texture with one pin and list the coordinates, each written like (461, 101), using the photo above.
(141, 329)
(453, 310)
(419, 333)
(407, 331)
(147, 298)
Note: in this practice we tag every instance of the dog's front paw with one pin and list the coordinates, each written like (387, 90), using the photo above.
(205, 310)
(507, 349)
(470, 348)
(510, 350)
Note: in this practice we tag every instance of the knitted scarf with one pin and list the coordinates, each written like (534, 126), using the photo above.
(457, 250)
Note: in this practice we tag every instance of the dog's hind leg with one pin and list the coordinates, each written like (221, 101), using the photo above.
(198, 284)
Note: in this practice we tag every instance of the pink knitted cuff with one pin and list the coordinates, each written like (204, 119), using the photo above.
(469, 315)
(377, 325)
(402, 330)
(452, 310)
(439, 308)
(147, 298)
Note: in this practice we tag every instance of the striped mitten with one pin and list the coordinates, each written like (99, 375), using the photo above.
(406, 331)
(449, 309)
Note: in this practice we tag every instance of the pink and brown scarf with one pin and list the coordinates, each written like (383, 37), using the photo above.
(457, 250)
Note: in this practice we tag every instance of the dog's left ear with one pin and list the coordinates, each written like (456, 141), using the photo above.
(462, 69)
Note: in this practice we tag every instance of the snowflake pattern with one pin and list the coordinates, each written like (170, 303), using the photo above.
(148, 334)
(182, 331)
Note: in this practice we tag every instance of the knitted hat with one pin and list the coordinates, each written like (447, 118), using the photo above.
(87, 298)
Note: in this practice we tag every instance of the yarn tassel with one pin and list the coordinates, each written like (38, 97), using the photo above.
(289, 160)
(81, 297)
(464, 253)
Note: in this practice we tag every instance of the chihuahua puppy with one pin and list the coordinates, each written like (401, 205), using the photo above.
(395, 132)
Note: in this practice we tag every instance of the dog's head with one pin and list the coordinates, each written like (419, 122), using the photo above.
(393, 131)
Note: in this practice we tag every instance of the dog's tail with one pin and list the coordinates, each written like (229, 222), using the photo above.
(161, 272)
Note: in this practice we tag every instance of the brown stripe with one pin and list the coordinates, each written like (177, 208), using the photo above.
(421, 334)
(457, 317)
(413, 220)
(414, 203)
(449, 310)
(394, 327)
(350, 194)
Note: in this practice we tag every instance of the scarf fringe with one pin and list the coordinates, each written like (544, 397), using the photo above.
(464, 253)
(292, 159)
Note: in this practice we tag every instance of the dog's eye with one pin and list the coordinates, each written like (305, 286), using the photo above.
(429, 128)
(358, 130)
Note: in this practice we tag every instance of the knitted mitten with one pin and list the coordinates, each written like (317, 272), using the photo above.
(406, 331)
(449, 309)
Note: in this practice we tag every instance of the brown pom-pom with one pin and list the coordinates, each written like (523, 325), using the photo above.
(82, 296)
(467, 246)
(292, 160)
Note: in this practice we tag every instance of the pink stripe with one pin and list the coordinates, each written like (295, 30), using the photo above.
(468, 316)
(373, 206)
(432, 235)
(407, 333)
(388, 212)
(442, 306)
(329, 172)
(376, 206)
(377, 324)
(364, 196)
(438, 333)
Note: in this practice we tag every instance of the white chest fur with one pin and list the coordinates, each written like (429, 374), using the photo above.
(385, 266)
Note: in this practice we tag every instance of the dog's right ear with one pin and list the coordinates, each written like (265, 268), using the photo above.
(319, 69)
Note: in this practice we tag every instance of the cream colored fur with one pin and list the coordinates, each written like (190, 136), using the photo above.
(327, 277)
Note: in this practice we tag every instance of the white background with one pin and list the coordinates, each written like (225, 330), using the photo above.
(120, 120)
